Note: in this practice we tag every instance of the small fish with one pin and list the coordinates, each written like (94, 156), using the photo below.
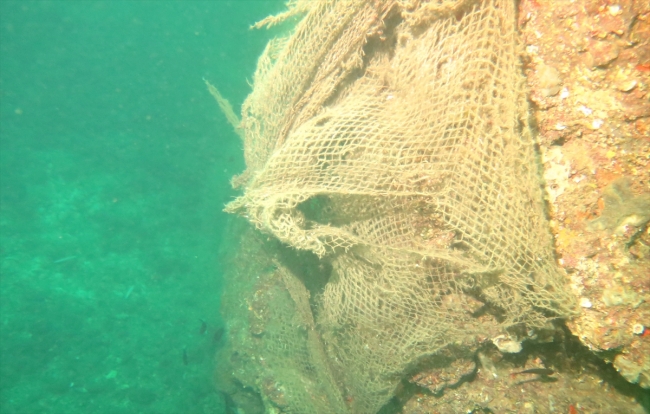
(65, 259)
(203, 328)
(543, 372)
(643, 68)
(186, 361)
(129, 291)
(218, 334)
(231, 407)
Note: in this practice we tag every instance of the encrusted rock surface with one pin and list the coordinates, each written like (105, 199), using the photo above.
(595, 142)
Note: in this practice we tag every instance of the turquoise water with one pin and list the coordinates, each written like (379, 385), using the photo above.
(114, 167)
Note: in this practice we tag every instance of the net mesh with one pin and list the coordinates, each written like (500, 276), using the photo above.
(391, 140)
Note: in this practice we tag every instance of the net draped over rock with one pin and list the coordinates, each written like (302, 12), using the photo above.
(391, 140)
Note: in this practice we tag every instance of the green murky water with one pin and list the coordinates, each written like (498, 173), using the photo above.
(114, 167)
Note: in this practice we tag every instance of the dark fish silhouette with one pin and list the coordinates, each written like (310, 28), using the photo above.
(543, 372)
(541, 375)
(186, 361)
(231, 407)
(203, 328)
(218, 334)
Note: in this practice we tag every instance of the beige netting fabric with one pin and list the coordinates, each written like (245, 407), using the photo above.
(391, 139)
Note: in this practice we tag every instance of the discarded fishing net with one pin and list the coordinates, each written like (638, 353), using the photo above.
(390, 139)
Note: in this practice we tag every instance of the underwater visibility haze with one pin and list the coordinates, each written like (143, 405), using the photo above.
(114, 168)
(434, 210)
